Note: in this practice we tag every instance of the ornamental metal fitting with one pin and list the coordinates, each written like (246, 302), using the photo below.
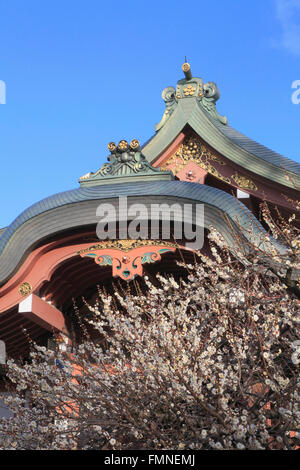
(25, 289)
(187, 71)
(126, 160)
(204, 94)
(123, 146)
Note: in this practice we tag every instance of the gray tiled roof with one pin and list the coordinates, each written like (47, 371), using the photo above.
(235, 146)
(257, 149)
(77, 208)
(177, 188)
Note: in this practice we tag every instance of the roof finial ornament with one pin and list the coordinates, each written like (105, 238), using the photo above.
(126, 160)
(191, 88)
(187, 70)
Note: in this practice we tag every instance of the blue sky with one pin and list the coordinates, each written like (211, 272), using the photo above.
(80, 74)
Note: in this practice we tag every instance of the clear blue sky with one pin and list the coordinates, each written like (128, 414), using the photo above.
(82, 73)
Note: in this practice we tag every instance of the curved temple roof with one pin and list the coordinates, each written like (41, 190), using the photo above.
(76, 208)
(194, 103)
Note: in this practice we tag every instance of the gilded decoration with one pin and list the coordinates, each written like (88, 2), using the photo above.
(186, 67)
(193, 150)
(244, 182)
(123, 145)
(205, 95)
(125, 160)
(126, 245)
(25, 289)
(189, 90)
(127, 257)
(112, 146)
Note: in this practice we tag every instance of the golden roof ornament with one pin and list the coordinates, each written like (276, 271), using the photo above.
(25, 289)
(205, 94)
(123, 145)
(126, 160)
(187, 70)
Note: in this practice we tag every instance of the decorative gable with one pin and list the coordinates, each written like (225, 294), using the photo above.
(126, 162)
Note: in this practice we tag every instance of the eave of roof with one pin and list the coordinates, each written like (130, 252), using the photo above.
(232, 144)
(75, 208)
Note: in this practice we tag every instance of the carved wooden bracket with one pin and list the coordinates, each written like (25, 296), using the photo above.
(127, 259)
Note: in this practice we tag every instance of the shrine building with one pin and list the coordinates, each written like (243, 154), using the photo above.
(51, 254)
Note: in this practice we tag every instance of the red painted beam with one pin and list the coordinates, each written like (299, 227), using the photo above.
(42, 313)
(39, 272)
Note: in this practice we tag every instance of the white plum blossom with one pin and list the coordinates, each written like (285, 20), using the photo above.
(206, 359)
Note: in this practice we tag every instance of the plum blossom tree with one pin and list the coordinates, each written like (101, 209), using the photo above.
(208, 360)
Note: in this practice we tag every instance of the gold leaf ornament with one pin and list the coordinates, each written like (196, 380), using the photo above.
(126, 245)
(134, 144)
(111, 146)
(192, 150)
(244, 182)
(123, 145)
(189, 90)
(25, 289)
